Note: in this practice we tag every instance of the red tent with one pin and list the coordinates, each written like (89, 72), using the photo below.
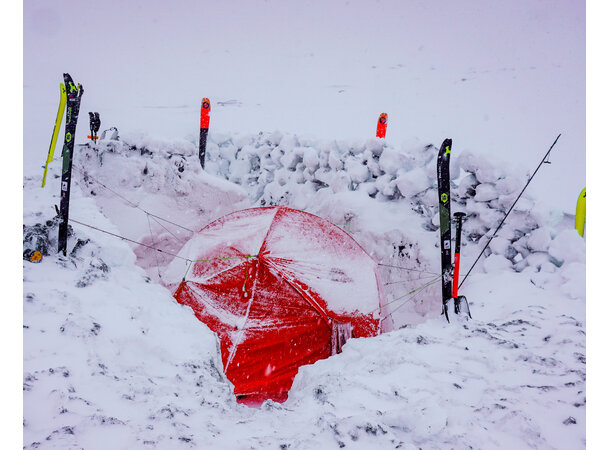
(281, 288)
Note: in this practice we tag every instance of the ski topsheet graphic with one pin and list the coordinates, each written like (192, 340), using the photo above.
(60, 114)
(203, 129)
(444, 209)
(74, 94)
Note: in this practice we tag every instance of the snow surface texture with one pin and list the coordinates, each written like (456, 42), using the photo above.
(385, 197)
(112, 361)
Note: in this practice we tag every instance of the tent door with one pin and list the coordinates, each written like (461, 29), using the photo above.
(341, 332)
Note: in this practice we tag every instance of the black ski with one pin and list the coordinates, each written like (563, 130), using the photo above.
(444, 198)
(74, 94)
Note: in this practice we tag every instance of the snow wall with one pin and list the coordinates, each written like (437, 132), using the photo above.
(384, 196)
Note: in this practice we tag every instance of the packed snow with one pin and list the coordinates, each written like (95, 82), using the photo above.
(107, 350)
(111, 360)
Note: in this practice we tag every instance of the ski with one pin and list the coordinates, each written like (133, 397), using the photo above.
(60, 115)
(382, 124)
(74, 94)
(444, 198)
(581, 207)
(203, 129)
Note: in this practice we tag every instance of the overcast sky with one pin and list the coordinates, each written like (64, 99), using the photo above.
(501, 78)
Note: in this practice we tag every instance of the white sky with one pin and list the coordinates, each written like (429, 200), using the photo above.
(499, 77)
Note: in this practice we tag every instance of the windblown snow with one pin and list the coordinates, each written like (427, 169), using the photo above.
(111, 360)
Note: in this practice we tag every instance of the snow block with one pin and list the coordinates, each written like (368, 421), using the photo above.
(573, 275)
(391, 160)
(467, 186)
(568, 247)
(539, 240)
(485, 192)
(496, 263)
(413, 182)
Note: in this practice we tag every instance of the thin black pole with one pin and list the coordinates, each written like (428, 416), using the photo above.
(511, 208)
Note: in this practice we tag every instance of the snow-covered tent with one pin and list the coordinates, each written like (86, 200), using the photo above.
(281, 288)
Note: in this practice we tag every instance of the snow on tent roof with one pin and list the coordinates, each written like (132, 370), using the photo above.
(281, 288)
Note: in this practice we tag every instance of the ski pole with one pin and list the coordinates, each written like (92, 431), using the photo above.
(511, 208)
(96, 124)
(458, 242)
(460, 303)
(91, 126)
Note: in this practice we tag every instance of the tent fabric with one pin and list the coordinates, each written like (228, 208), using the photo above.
(281, 288)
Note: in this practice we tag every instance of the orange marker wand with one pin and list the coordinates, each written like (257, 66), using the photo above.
(203, 129)
(382, 124)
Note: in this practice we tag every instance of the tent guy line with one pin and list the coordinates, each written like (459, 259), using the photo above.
(191, 261)
(427, 277)
(132, 204)
(412, 292)
(406, 268)
(126, 239)
(157, 249)
(154, 216)
(407, 300)
(152, 237)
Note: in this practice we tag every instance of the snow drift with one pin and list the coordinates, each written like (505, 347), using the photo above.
(108, 352)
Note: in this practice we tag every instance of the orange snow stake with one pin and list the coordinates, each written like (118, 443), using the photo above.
(205, 113)
(204, 126)
(382, 124)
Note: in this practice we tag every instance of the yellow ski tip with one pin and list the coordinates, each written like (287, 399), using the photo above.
(60, 114)
(581, 210)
